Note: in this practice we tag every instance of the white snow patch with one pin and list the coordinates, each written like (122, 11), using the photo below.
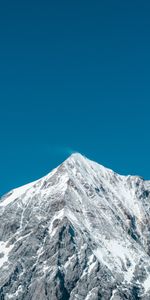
(23, 237)
(68, 261)
(146, 283)
(118, 250)
(72, 217)
(121, 252)
(11, 296)
(4, 250)
(16, 193)
(91, 266)
(60, 185)
(45, 268)
(99, 253)
(113, 294)
(128, 276)
(59, 215)
(90, 293)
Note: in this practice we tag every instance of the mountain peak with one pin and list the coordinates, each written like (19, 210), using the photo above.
(76, 156)
(82, 225)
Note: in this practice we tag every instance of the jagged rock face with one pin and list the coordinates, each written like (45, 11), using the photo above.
(81, 232)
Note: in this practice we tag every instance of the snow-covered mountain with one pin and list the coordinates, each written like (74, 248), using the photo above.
(81, 232)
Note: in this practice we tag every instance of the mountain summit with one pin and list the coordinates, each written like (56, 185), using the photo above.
(81, 232)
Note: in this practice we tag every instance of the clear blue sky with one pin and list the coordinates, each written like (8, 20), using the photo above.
(74, 76)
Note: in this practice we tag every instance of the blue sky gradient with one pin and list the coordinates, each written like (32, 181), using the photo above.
(74, 76)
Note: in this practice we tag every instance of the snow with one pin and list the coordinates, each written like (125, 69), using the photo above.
(11, 296)
(45, 268)
(91, 266)
(99, 203)
(67, 263)
(113, 294)
(118, 250)
(30, 187)
(16, 193)
(71, 217)
(59, 215)
(4, 250)
(90, 294)
(129, 275)
(146, 284)
(101, 256)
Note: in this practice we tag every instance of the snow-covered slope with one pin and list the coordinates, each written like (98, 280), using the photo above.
(81, 232)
